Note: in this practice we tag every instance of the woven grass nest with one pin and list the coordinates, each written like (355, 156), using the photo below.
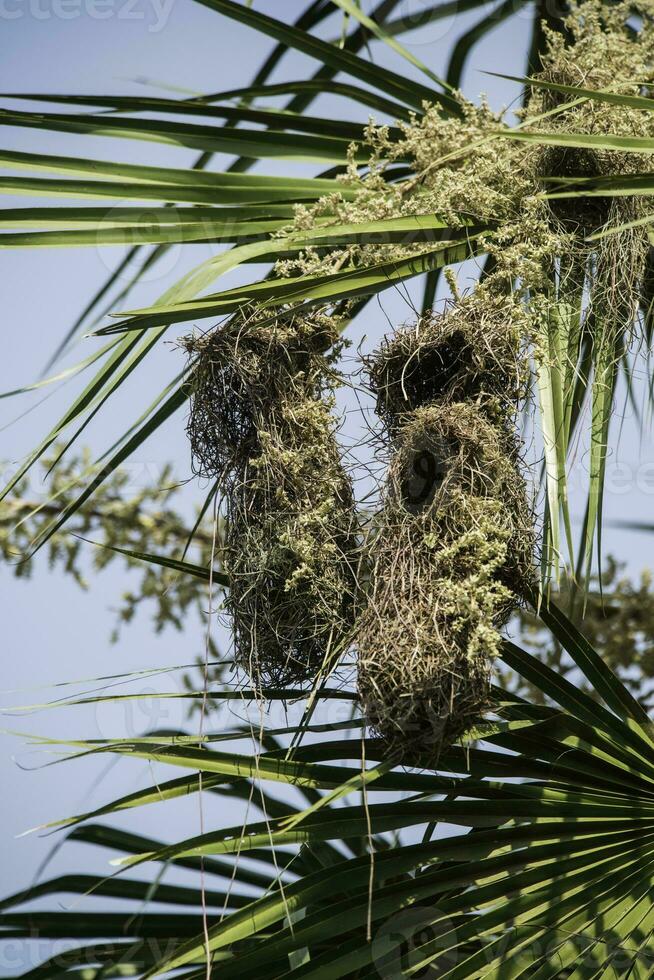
(469, 352)
(261, 422)
(604, 49)
(454, 538)
(611, 268)
(241, 374)
(604, 54)
(587, 213)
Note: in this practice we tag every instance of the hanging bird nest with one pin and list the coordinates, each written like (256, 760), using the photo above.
(602, 53)
(469, 352)
(241, 373)
(613, 265)
(261, 422)
(453, 546)
(586, 213)
(446, 459)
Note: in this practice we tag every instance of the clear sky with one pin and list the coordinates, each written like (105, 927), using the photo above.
(51, 630)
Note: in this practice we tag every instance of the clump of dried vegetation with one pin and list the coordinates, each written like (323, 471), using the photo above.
(453, 542)
(606, 49)
(261, 424)
(471, 352)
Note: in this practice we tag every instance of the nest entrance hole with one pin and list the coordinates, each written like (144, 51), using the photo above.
(433, 369)
(423, 475)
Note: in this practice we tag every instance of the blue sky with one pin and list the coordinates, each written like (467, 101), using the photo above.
(52, 631)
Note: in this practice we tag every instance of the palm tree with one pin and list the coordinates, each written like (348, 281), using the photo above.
(524, 850)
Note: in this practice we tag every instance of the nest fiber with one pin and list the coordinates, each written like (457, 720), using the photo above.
(261, 423)
(453, 544)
